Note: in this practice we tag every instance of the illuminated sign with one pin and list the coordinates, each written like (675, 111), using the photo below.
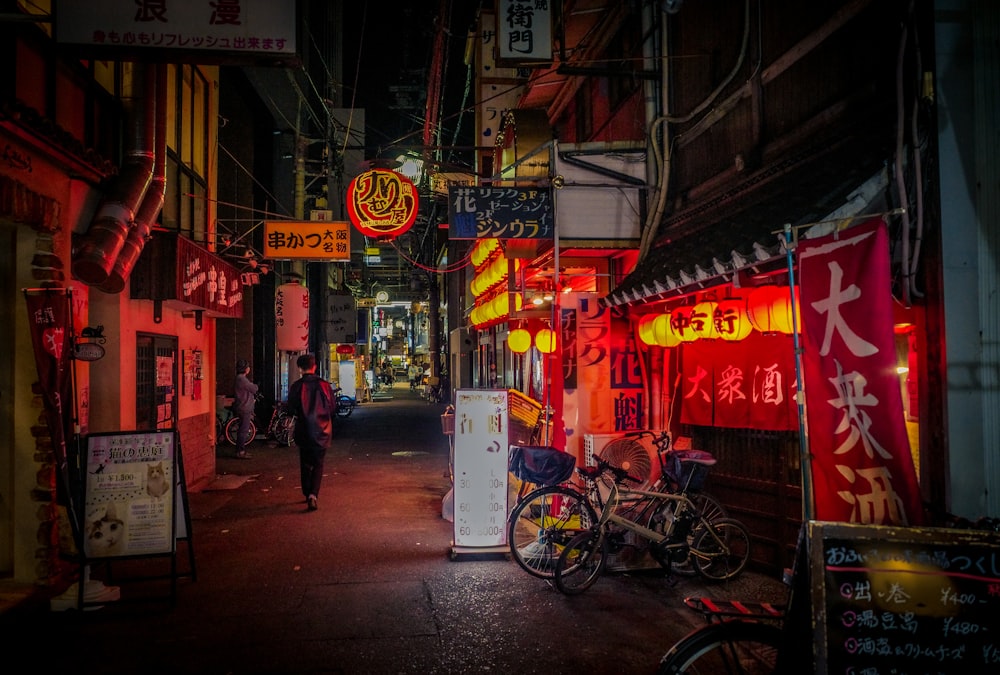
(499, 213)
(382, 203)
(307, 240)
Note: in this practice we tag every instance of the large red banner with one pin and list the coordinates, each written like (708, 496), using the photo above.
(862, 470)
(50, 319)
(748, 384)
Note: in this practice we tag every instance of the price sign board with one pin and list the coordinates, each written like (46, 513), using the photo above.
(906, 601)
(481, 447)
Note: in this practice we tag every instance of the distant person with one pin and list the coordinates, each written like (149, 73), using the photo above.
(413, 374)
(311, 400)
(243, 405)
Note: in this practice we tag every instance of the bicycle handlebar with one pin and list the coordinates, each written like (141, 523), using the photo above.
(621, 474)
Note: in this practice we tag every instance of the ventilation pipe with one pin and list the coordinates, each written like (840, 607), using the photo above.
(152, 200)
(95, 257)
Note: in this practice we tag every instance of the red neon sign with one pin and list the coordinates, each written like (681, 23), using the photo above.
(382, 203)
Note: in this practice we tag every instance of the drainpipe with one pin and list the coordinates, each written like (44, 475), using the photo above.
(95, 256)
(152, 200)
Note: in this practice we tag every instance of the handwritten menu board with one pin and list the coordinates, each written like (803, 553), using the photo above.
(905, 601)
(481, 446)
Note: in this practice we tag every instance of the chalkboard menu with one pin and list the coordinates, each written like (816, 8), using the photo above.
(905, 601)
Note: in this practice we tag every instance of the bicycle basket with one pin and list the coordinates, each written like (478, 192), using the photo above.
(689, 468)
(541, 465)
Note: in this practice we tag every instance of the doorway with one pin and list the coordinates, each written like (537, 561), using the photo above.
(155, 382)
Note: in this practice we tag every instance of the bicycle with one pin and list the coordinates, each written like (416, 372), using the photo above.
(719, 550)
(345, 404)
(546, 517)
(281, 426)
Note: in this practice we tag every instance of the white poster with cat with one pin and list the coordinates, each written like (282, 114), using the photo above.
(129, 495)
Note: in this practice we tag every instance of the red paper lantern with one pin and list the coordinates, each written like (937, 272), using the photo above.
(770, 309)
(732, 322)
(345, 349)
(382, 204)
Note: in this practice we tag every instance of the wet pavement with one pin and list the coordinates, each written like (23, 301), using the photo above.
(365, 584)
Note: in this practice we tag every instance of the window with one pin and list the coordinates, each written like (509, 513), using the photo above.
(184, 208)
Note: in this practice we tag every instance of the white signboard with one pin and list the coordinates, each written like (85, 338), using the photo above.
(481, 443)
(129, 494)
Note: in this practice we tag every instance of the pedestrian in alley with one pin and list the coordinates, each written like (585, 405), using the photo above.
(310, 399)
(245, 398)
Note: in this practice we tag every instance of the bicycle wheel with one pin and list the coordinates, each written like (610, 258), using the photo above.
(712, 510)
(581, 562)
(233, 428)
(284, 429)
(721, 551)
(542, 523)
(745, 647)
(344, 407)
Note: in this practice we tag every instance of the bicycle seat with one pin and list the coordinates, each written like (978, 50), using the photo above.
(703, 457)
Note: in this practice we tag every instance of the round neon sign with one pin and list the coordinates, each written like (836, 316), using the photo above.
(382, 204)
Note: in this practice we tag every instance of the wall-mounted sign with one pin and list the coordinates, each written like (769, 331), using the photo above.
(382, 203)
(499, 213)
(291, 317)
(524, 28)
(307, 240)
(88, 351)
(187, 277)
(247, 27)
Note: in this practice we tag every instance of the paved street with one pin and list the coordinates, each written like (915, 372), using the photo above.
(366, 584)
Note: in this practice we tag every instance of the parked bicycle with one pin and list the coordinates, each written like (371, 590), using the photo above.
(719, 549)
(280, 427)
(345, 404)
(548, 511)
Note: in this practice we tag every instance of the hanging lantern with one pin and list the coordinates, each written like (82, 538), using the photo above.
(519, 340)
(345, 349)
(703, 320)
(680, 324)
(664, 333)
(291, 317)
(645, 330)
(731, 320)
(770, 309)
(545, 341)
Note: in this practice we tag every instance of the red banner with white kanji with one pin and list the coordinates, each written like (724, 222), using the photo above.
(747, 384)
(862, 469)
(50, 320)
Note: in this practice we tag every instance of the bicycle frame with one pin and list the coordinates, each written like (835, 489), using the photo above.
(618, 495)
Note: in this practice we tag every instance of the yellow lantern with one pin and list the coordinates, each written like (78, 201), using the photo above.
(703, 320)
(731, 320)
(680, 324)
(645, 330)
(545, 341)
(519, 340)
(664, 333)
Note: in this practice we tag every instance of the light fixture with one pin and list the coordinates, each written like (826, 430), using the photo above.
(411, 166)
(548, 295)
(537, 299)
(545, 341)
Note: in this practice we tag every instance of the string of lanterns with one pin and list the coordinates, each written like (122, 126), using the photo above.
(520, 340)
(489, 285)
(767, 309)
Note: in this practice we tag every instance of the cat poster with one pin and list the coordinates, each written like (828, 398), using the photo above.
(129, 494)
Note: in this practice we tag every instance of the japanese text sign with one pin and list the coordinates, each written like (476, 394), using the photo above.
(525, 30)
(500, 213)
(322, 240)
(382, 203)
(244, 26)
(862, 469)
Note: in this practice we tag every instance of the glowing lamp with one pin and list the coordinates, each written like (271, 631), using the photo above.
(770, 309)
(703, 320)
(645, 330)
(732, 322)
(664, 333)
(519, 340)
(545, 341)
(680, 324)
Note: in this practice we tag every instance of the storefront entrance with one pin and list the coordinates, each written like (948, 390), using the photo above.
(155, 382)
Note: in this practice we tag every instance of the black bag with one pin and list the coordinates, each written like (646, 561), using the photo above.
(540, 464)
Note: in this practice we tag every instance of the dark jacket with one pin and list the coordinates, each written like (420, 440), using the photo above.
(245, 394)
(311, 400)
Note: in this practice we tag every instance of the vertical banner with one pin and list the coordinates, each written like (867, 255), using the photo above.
(593, 376)
(862, 469)
(627, 388)
(51, 323)
(129, 494)
(481, 451)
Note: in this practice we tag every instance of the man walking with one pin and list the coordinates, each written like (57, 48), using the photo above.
(310, 399)
(246, 396)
